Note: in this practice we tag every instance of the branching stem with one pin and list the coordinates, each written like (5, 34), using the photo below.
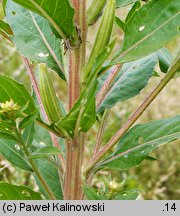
(133, 118)
(34, 166)
(107, 85)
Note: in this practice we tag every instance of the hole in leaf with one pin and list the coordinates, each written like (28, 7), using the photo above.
(42, 144)
(17, 147)
(141, 28)
(43, 55)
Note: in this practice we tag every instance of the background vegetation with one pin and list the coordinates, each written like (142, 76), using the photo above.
(156, 180)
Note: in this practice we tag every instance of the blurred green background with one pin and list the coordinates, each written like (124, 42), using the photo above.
(155, 179)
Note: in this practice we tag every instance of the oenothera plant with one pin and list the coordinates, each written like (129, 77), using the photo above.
(43, 136)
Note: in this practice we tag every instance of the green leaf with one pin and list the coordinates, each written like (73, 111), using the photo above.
(140, 141)
(151, 158)
(11, 89)
(47, 169)
(14, 192)
(28, 134)
(84, 109)
(156, 23)
(131, 79)
(4, 6)
(133, 10)
(33, 37)
(45, 152)
(120, 23)
(5, 28)
(92, 194)
(6, 136)
(50, 173)
(6, 131)
(165, 59)
(127, 195)
(59, 13)
(28, 120)
(122, 3)
(12, 151)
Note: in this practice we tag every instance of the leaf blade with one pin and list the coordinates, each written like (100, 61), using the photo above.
(59, 13)
(142, 36)
(10, 150)
(122, 3)
(14, 192)
(44, 152)
(131, 79)
(131, 152)
(33, 37)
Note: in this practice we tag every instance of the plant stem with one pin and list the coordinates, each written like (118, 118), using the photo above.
(34, 84)
(99, 138)
(34, 166)
(73, 181)
(74, 147)
(134, 117)
(107, 85)
(37, 92)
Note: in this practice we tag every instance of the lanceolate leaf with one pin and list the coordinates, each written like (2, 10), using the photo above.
(156, 23)
(28, 134)
(48, 170)
(131, 79)
(5, 28)
(33, 36)
(12, 151)
(51, 176)
(59, 13)
(6, 131)
(14, 192)
(136, 144)
(28, 120)
(122, 3)
(133, 10)
(45, 152)
(120, 23)
(10, 89)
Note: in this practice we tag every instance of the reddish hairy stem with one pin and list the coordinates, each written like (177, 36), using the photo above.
(105, 88)
(75, 146)
(134, 117)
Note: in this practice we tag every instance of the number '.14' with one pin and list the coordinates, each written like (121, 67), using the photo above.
(170, 207)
